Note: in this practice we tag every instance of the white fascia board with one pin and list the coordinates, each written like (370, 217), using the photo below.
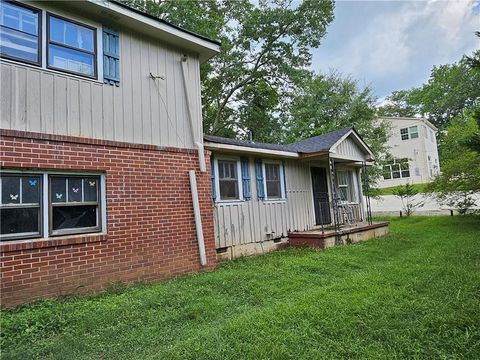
(205, 49)
(249, 150)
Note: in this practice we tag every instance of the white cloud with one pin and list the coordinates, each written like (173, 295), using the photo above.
(400, 41)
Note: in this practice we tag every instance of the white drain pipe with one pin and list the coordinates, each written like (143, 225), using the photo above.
(198, 218)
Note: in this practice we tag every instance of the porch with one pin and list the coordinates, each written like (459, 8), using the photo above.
(329, 236)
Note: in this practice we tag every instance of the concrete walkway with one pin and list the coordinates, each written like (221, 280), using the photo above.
(388, 205)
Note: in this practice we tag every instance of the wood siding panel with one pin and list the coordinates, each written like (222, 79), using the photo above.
(140, 110)
(350, 149)
(256, 221)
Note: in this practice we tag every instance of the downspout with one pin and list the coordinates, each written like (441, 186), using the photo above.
(198, 218)
(191, 173)
(196, 140)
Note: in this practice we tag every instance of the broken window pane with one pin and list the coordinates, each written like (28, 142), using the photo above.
(73, 217)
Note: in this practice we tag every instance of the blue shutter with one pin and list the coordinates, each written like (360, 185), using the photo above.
(111, 57)
(259, 175)
(284, 179)
(247, 194)
(212, 175)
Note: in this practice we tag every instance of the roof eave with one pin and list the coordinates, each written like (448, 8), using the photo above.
(204, 47)
(212, 146)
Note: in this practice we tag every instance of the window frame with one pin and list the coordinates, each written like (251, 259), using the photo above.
(39, 36)
(281, 179)
(398, 162)
(409, 133)
(239, 179)
(40, 207)
(98, 204)
(49, 42)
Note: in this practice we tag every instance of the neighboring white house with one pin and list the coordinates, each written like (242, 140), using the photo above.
(413, 146)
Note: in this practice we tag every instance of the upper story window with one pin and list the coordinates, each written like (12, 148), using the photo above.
(71, 46)
(409, 133)
(228, 180)
(20, 32)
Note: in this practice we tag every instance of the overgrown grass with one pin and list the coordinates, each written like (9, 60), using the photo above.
(421, 188)
(413, 294)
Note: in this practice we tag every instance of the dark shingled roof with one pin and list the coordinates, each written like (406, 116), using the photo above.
(315, 144)
(228, 141)
(319, 143)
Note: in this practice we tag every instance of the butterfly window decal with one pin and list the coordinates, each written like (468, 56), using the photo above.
(14, 197)
(33, 182)
(75, 189)
(92, 183)
(58, 196)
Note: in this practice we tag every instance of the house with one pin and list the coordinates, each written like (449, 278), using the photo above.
(104, 169)
(101, 149)
(413, 145)
(309, 192)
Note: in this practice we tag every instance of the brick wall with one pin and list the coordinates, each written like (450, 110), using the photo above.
(151, 230)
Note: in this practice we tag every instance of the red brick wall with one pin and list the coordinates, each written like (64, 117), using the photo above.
(151, 230)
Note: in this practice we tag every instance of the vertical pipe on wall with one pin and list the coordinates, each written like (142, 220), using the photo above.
(198, 218)
(195, 137)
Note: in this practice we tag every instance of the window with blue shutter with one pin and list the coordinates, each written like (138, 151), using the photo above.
(212, 175)
(247, 194)
(111, 57)
(259, 176)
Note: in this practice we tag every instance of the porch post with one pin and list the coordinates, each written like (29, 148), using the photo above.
(333, 182)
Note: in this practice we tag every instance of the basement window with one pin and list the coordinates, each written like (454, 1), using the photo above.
(21, 206)
(74, 204)
(35, 205)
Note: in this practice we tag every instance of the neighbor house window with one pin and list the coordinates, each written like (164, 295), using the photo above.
(74, 204)
(396, 169)
(228, 180)
(273, 181)
(71, 46)
(409, 133)
(21, 210)
(20, 32)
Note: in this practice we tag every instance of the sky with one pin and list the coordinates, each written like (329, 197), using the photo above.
(393, 45)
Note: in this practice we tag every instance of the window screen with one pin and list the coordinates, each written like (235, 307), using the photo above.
(273, 181)
(228, 180)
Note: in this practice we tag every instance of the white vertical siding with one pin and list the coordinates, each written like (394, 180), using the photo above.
(255, 220)
(140, 110)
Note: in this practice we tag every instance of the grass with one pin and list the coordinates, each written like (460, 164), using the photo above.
(421, 188)
(413, 294)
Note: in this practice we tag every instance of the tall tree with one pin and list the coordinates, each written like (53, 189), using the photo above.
(450, 90)
(266, 42)
(329, 102)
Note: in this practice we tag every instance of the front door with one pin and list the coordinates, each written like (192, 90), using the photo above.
(320, 196)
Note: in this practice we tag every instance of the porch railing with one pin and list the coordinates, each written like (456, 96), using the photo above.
(343, 214)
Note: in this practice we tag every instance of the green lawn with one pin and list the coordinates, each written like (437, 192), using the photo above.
(421, 188)
(413, 294)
